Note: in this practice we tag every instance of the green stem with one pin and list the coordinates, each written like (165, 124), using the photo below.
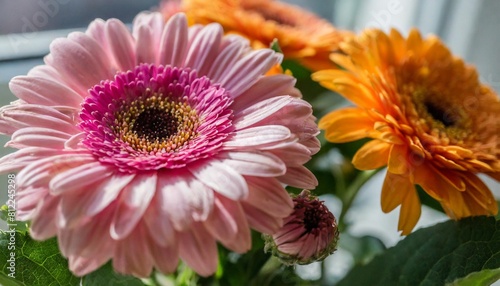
(338, 174)
(351, 193)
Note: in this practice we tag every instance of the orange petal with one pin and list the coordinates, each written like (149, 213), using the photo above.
(390, 137)
(346, 125)
(398, 160)
(425, 176)
(398, 43)
(394, 191)
(357, 93)
(348, 86)
(449, 164)
(409, 213)
(482, 201)
(481, 166)
(384, 50)
(343, 61)
(446, 186)
(452, 178)
(414, 42)
(455, 205)
(372, 155)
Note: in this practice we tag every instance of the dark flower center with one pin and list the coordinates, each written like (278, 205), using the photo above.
(443, 116)
(312, 216)
(155, 124)
(439, 114)
(315, 215)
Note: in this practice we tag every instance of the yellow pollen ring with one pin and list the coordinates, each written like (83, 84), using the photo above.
(155, 123)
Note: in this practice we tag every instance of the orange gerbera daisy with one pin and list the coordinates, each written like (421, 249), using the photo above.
(302, 35)
(432, 122)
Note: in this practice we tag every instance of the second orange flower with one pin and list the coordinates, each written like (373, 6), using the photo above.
(302, 36)
(432, 122)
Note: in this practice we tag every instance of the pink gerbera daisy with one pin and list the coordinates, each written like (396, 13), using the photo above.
(148, 146)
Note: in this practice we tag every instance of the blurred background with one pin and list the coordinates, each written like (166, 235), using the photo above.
(469, 28)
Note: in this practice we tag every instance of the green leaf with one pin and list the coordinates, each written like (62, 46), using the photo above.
(363, 248)
(241, 269)
(435, 256)
(7, 214)
(36, 263)
(485, 277)
(106, 276)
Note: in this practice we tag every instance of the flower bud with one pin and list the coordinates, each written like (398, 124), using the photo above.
(309, 234)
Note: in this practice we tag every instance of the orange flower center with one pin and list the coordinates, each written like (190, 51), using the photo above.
(442, 116)
(269, 13)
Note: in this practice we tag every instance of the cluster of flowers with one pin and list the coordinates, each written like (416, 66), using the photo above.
(151, 145)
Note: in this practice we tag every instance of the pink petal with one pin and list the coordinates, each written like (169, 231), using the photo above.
(75, 141)
(132, 255)
(290, 233)
(29, 115)
(161, 230)
(296, 115)
(199, 250)
(77, 206)
(299, 177)
(121, 44)
(268, 195)
(292, 154)
(40, 172)
(28, 201)
(81, 266)
(33, 140)
(95, 48)
(260, 220)
(260, 164)
(257, 137)
(228, 224)
(43, 225)
(79, 177)
(305, 127)
(38, 137)
(266, 87)
(312, 144)
(39, 90)
(133, 201)
(40, 131)
(79, 66)
(221, 178)
(309, 246)
(147, 30)
(174, 41)
(108, 191)
(227, 56)
(89, 237)
(166, 259)
(49, 73)
(243, 74)
(19, 159)
(96, 31)
(260, 111)
(183, 199)
(204, 48)
(154, 21)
